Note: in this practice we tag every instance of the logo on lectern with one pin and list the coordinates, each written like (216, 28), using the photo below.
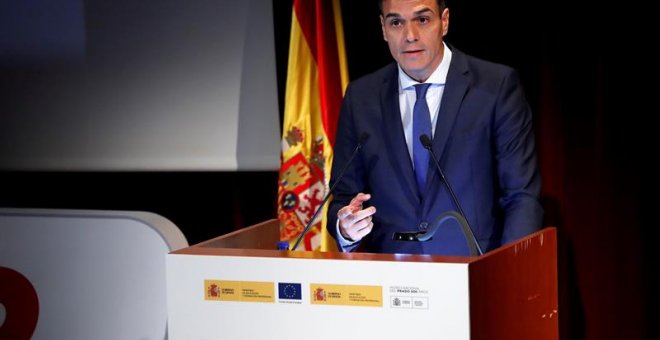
(213, 291)
(290, 291)
(346, 295)
(239, 291)
(319, 294)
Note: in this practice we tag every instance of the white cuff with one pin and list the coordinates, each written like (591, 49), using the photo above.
(344, 244)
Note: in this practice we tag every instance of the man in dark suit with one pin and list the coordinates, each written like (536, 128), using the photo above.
(481, 130)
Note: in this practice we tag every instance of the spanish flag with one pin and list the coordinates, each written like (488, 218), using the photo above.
(316, 80)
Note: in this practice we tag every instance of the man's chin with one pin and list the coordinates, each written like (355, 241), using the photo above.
(415, 71)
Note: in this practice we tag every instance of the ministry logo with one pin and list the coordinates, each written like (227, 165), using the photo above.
(290, 291)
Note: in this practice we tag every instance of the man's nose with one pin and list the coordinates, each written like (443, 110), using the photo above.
(412, 34)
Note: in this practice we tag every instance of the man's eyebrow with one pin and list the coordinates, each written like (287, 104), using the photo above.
(417, 13)
(422, 11)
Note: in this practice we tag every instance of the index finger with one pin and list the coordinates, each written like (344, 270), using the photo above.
(362, 214)
(359, 199)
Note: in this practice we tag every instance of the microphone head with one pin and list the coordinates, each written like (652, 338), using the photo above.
(425, 140)
(363, 138)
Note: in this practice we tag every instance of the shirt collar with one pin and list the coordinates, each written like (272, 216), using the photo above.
(439, 76)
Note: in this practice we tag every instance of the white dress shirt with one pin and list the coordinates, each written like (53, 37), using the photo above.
(407, 97)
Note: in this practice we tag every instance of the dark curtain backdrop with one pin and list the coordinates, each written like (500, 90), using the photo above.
(585, 71)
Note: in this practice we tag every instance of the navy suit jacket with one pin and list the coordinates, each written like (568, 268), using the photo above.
(485, 143)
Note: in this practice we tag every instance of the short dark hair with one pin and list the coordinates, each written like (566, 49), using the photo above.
(441, 4)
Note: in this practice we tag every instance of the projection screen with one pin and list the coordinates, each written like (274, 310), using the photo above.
(151, 85)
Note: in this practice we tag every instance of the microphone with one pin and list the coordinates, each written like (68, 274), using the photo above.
(426, 142)
(423, 236)
(363, 139)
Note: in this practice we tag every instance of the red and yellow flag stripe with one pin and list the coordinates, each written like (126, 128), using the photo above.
(316, 80)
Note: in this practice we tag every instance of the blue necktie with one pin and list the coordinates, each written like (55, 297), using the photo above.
(421, 126)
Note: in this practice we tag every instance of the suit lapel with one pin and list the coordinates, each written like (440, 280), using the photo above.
(393, 133)
(456, 87)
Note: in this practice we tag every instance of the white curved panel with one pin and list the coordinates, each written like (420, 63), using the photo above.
(97, 274)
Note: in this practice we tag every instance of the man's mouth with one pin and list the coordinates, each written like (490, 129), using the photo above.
(413, 52)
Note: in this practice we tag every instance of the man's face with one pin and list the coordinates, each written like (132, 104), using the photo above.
(414, 30)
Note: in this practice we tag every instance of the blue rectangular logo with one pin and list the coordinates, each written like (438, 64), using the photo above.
(290, 291)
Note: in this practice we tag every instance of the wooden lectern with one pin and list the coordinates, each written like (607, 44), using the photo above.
(238, 287)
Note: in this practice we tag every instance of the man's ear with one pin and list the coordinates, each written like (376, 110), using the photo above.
(445, 21)
(382, 26)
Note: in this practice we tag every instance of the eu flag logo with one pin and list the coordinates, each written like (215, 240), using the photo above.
(290, 291)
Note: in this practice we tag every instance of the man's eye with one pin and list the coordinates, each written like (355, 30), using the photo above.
(423, 20)
(395, 23)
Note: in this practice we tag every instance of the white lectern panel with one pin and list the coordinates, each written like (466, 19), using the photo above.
(225, 297)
